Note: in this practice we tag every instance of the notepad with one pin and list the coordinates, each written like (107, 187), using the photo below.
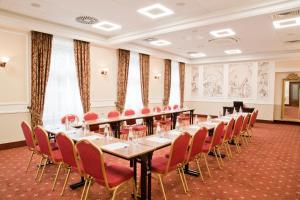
(175, 132)
(194, 126)
(90, 137)
(114, 146)
(158, 139)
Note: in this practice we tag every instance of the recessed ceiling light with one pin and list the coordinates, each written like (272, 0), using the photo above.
(233, 51)
(284, 23)
(86, 20)
(155, 11)
(107, 26)
(222, 33)
(160, 42)
(197, 54)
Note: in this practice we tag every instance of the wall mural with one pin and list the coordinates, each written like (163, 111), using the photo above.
(213, 80)
(195, 80)
(263, 74)
(240, 80)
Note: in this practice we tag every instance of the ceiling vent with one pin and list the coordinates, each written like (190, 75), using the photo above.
(86, 20)
(286, 15)
(150, 39)
(224, 41)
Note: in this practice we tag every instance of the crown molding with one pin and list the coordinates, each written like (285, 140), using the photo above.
(216, 17)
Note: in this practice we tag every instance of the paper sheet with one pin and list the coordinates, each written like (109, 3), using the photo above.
(158, 139)
(114, 146)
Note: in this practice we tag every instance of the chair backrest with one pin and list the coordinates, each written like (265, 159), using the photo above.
(43, 141)
(229, 130)
(178, 151)
(70, 117)
(256, 113)
(113, 114)
(91, 158)
(145, 111)
(238, 126)
(245, 122)
(67, 149)
(197, 143)
(167, 108)
(175, 107)
(252, 119)
(130, 112)
(157, 109)
(90, 116)
(29, 137)
(217, 135)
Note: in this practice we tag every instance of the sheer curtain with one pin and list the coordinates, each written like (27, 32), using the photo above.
(175, 84)
(62, 93)
(134, 94)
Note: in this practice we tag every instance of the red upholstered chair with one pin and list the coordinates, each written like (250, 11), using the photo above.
(251, 124)
(215, 143)
(92, 116)
(166, 119)
(145, 111)
(195, 150)
(237, 131)
(139, 129)
(226, 138)
(244, 131)
(162, 165)
(182, 118)
(46, 151)
(116, 114)
(175, 107)
(69, 157)
(30, 141)
(110, 176)
(70, 117)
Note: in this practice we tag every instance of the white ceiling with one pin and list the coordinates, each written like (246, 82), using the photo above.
(187, 29)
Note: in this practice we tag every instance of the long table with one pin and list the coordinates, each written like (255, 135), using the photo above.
(148, 118)
(140, 151)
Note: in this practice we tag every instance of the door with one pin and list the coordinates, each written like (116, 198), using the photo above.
(294, 93)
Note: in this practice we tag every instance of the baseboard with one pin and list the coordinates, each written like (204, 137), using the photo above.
(11, 145)
(265, 121)
(286, 122)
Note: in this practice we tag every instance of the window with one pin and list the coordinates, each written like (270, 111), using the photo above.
(175, 84)
(134, 94)
(62, 92)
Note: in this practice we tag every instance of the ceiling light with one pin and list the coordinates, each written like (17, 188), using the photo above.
(197, 55)
(107, 26)
(160, 42)
(155, 11)
(222, 33)
(284, 23)
(233, 51)
(86, 20)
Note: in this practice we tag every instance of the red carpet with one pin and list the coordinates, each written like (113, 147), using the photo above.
(269, 168)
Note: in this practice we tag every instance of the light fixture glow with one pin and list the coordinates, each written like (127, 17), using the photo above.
(197, 55)
(285, 23)
(160, 42)
(233, 51)
(155, 11)
(107, 26)
(222, 33)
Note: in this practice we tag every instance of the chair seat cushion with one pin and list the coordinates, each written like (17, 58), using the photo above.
(206, 147)
(139, 128)
(116, 175)
(159, 164)
(124, 131)
(56, 156)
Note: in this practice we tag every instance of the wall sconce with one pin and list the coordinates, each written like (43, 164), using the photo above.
(3, 61)
(104, 71)
(157, 76)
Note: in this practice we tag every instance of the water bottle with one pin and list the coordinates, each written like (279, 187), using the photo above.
(196, 120)
(130, 135)
(67, 124)
(208, 118)
(177, 125)
(106, 132)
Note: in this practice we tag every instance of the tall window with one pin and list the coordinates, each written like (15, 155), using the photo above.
(62, 93)
(175, 84)
(134, 94)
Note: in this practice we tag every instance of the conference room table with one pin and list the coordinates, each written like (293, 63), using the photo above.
(138, 151)
(148, 118)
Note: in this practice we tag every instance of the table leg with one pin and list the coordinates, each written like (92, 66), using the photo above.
(174, 119)
(149, 174)
(78, 184)
(149, 123)
(146, 176)
(191, 116)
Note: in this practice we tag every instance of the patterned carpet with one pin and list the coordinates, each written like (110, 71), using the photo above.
(269, 168)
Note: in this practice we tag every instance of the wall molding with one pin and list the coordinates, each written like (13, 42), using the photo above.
(11, 145)
(13, 107)
(155, 100)
(98, 103)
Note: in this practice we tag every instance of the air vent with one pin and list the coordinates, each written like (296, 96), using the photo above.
(286, 15)
(86, 20)
(150, 39)
(224, 41)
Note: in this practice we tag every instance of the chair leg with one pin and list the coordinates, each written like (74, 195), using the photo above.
(162, 186)
(229, 150)
(55, 179)
(217, 158)
(220, 156)
(83, 191)
(66, 181)
(88, 188)
(182, 181)
(114, 193)
(205, 160)
(29, 161)
(39, 167)
(237, 145)
(199, 169)
(42, 173)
